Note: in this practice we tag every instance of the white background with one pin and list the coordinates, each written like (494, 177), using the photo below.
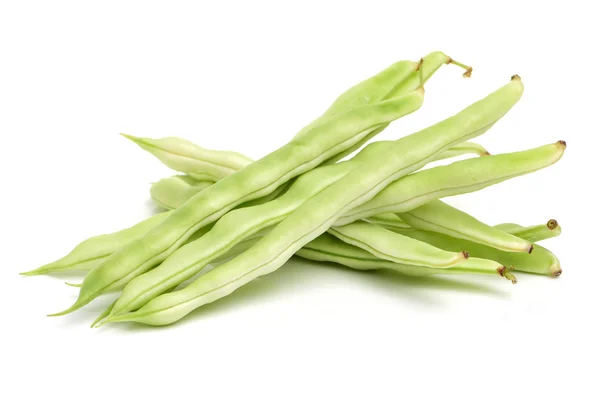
(246, 76)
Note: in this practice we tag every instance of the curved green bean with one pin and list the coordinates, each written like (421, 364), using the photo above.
(321, 140)
(482, 172)
(391, 246)
(533, 233)
(405, 194)
(233, 228)
(170, 193)
(190, 259)
(316, 215)
(540, 261)
(191, 159)
(438, 216)
(328, 248)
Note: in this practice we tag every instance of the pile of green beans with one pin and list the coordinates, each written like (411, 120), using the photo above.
(379, 209)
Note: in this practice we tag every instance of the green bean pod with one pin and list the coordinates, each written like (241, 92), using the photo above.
(533, 233)
(438, 216)
(87, 254)
(481, 172)
(316, 215)
(324, 139)
(540, 261)
(405, 194)
(391, 246)
(191, 159)
(192, 258)
(327, 248)
(169, 193)
(231, 229)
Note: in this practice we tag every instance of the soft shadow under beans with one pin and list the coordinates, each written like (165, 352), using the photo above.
(298, 274)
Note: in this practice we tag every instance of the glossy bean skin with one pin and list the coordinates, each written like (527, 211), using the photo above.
(481, 172)
(316, 215)
(321, 140)
(327, 248)
(440, 217)
(540, 261)
(533, 233)
(391, 246)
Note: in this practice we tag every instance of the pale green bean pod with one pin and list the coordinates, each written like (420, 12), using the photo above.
(321, 140)
(438, 216)
(316, 215)
(540, 261)
(405, 194)
(232, 228)
(191, 159)
(482, 172)
(190, 259)
(327, 248)
(533, 233)
(170, 193)
(391, 246)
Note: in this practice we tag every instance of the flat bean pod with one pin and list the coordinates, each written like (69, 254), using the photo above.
(438, 216)
(405, 194)
(316, 215)
(324, 139)
(328, 248)
(541, 261)
(170, 193)
(461, 177)
(231, 229)
(533, 233)
(193, 257)
(391, 246)
(191, 159)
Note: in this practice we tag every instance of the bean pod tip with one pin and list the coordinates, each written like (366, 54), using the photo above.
(552, 224)
(506, 273)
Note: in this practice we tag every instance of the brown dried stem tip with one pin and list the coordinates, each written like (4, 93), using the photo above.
(505, 272)
(552, 224)
(468, 70)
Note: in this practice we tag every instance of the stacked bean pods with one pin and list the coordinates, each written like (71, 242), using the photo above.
(377, 209)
